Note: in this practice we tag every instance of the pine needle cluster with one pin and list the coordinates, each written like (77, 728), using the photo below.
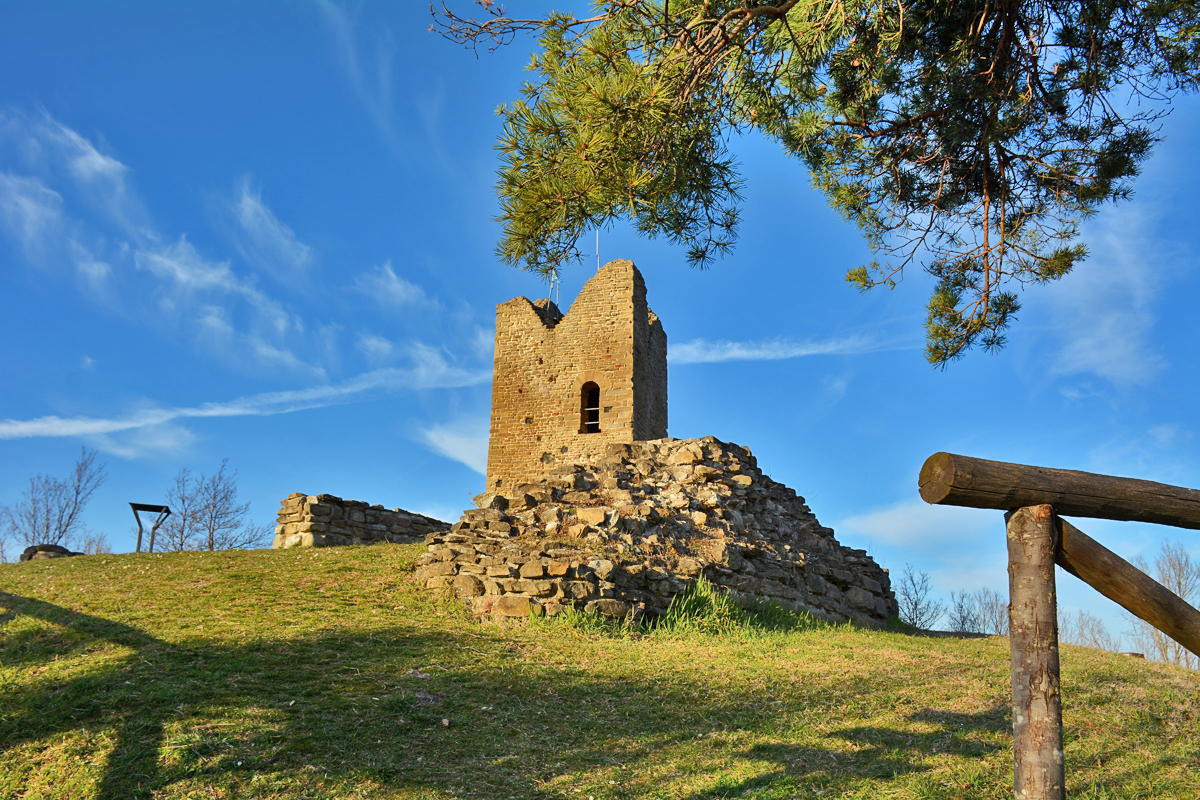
(970, 137)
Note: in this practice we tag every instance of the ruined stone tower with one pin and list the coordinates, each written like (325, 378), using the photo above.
(564, 387)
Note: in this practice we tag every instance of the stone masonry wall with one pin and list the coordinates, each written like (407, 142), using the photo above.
(542, 361)
(327, 521)
(625, 532)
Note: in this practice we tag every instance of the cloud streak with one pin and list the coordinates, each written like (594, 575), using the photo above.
(30, 211)
(1104, 310)
(429, 370)
(465, 441)
(75, 205)
(372, 81)
(916, 524)
(267, 241)
(701, 351)
(388, 288)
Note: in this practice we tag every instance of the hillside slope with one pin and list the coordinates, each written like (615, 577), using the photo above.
(327, 673)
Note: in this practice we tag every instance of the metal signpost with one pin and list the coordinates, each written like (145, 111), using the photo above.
(162, 511)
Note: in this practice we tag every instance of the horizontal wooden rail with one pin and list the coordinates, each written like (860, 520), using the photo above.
(948, 479)
(1127, 586)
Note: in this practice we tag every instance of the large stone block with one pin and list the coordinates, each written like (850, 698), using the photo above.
(467, 586)
(617, 609)
(592, 516)
(510, 605)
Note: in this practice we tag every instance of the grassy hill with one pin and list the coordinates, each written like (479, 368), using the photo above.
(329, 674)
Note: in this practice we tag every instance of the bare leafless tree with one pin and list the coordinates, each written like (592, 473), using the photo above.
(178, 531)
(1087, 630)
(205, 514)
(93, 544)
(963, 616)
(991, 610)
(912, 597)
(50, 511)
(1175, 569)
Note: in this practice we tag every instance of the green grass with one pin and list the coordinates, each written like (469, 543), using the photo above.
(328, 673)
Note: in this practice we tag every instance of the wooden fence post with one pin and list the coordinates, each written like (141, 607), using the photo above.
(1033, 634)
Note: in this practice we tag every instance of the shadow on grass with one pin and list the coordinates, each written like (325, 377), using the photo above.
(320, 715)
(878, 753)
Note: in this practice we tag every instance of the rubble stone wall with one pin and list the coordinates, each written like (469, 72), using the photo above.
(625, 532)
(544, 358)
(326, 521)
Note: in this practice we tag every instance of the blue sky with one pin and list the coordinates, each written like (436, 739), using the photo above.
(265, 232)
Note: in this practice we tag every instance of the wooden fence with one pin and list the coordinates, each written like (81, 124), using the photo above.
(1038, 538)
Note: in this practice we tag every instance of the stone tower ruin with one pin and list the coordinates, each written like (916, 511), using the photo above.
(565, 387)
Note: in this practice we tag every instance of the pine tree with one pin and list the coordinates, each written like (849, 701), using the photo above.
(972, 137)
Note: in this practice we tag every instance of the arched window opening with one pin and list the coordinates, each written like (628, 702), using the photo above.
(589, 397)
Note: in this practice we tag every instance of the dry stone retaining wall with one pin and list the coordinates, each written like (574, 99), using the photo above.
(325, 521)
(625, 532)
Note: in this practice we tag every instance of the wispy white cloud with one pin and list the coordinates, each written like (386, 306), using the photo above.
(960, 548)
(483, 343)
(1104, 313)
(376, 348)
(199, 280)
(99, 179)
(97, 223)
(84, 161)
(701, 351)
(388, 288)
(1159, 453)
(370, 73)
(94, 272)
(428, 370)
(916, 524)
(162, 440)
(30, 211)
(464, 441)
(1169, 433)
(265, 240)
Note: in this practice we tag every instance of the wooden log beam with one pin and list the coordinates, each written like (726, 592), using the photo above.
(1127, 586)
(948, 479)
(1038, 772)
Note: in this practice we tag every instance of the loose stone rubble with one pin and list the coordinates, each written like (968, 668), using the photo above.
(623, 533)
(328, 521)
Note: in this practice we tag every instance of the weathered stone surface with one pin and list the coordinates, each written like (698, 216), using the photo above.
(466, 586)
(717, 516)
(611, 340)
(328, 521)
(489, 500)
(602, 567)
(511, 605)
(40, 552)
(532, 569)
(617, 609)
(592, 516)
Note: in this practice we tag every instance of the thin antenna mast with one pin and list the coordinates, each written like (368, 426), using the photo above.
(555, 281)
(597, 249)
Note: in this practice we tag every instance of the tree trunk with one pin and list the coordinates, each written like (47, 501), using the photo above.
(1033, 633)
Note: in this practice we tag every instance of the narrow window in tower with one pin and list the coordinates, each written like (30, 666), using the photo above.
(589, 397)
